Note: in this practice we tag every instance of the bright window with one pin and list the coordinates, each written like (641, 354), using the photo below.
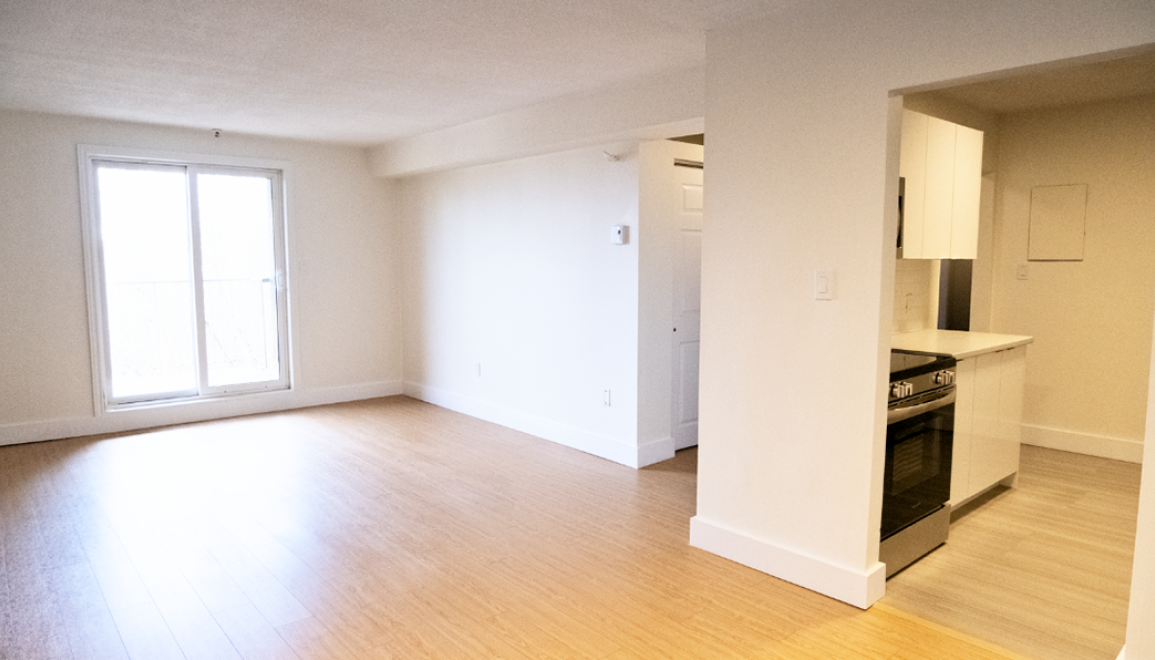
(187, 274)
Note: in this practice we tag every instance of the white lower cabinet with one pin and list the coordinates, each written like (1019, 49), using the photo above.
(988, 421)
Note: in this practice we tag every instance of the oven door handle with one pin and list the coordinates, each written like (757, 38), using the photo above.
(895, 415)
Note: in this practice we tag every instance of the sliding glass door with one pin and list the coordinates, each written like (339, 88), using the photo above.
(190, 280)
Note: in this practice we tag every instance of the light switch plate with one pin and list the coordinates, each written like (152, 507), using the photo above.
(824, 285)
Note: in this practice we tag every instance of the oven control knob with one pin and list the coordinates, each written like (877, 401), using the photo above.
(901, 389)
(944, 378)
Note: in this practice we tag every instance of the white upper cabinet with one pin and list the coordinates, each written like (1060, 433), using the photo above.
(968, 184)
(942, 165)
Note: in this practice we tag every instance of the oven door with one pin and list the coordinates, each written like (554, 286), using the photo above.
(919, 442)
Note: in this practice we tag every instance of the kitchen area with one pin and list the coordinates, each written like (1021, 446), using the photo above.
(1024, 265)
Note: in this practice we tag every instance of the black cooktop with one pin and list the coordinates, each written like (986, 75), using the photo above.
(907, 364)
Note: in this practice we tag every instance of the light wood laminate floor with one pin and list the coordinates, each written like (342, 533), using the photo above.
(390, 529)
(1043, 568)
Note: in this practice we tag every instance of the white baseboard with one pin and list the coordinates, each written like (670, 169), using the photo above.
(860, 589)
(131, 419)
(655, 451)
(1118, 449)
(591, 443)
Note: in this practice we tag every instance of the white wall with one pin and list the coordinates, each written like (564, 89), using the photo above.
(1091, 319)
(803, 163)
(509, 266)
(343, 271)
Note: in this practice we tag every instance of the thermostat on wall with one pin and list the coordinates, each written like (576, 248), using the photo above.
(620, 234)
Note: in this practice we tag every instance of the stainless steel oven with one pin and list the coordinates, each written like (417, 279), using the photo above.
(919, 443)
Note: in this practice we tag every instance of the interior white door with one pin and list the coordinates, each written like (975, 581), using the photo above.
(686, 204)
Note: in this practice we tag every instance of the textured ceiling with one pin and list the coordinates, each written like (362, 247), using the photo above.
(357, 71)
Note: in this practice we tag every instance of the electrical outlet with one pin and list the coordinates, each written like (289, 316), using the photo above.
(607, 397)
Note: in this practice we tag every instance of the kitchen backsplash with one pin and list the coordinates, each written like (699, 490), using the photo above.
(915, 294)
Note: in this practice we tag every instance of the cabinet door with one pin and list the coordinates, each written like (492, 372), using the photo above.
(938, 206)
(960, 471)
(987, 452)
(968, 175)
(1013, 379)
(912, 167)
(999, 413)
(942, 164)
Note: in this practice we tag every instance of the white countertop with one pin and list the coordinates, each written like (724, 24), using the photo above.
(955, 342)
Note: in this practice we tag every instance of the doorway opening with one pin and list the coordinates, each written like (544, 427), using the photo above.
(1085, 105)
